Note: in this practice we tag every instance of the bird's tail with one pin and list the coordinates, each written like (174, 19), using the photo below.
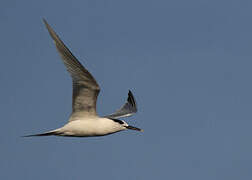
(49, 133)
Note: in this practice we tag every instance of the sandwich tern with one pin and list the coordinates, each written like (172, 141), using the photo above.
(84, 122)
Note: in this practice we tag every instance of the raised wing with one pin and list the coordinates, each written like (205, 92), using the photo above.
(128, 109)
(85, 87)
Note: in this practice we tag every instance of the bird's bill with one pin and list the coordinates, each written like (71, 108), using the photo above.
(134, 128)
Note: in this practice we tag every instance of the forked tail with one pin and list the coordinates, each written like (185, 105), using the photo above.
(50, 133)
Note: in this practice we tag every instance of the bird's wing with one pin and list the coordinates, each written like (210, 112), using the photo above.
(85, 87)
(128, 109)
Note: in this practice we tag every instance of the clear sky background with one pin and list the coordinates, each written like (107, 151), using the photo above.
(188, 64)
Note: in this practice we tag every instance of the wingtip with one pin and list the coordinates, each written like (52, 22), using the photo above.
(130, 94)
(46, 24)
(44, 21)
(131, 99)
(52, 33)
(26, 136)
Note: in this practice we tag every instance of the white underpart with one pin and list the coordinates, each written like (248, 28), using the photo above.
(94, 126)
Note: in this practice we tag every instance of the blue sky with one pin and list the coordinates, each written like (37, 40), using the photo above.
(188, 64)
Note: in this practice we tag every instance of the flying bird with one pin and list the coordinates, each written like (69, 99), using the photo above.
(84, 121)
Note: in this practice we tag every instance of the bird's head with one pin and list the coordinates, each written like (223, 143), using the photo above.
(126, 126)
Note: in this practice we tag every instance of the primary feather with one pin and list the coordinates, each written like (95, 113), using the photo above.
(128, 109)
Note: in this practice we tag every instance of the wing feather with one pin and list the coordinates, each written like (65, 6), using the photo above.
(85, 87)
(128, 109)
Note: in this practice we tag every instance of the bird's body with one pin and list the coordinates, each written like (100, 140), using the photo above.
(84, 122)
(95, 126)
